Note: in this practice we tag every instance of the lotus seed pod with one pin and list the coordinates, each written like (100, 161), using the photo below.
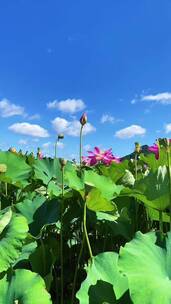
(13, 150)
(63, 162)
(3, 168)
(60, 136)
(137, 147)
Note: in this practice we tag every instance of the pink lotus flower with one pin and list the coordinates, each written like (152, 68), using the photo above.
(40, 155)
(98, 156)
(154, 149)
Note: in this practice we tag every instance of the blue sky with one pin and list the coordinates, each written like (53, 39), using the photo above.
(60, 58)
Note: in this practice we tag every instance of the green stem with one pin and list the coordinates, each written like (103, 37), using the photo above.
(61, 240)
(136, 169)
(77, 268)
(56, 144)
(6, 189)
(161, 221)
(81, 135)
(169, 172)
(43, 256)
(85, 231)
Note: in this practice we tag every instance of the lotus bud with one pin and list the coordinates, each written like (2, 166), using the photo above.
(137, 147)
(83, 119)
(63, 162)
(3, 168)
(39, 153)
(60, 136)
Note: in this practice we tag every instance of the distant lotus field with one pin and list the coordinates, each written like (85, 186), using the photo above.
(96, 231)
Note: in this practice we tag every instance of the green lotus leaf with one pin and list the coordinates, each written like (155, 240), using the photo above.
(24, 287)
(14, 230)
(18, 172)
(96, 202)
(154, 189)
(39, 212)
(103, 276)
(114, 171)
(73, 180)
(48, 169)
(108, 189)
(148, 269)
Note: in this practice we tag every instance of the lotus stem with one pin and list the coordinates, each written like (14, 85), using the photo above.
(85, 231)
(6, 189)
(81, 135)
(77, 267)
(161, 221)
(43, 256)
(61, 239)
(169, 173)
(56, 144)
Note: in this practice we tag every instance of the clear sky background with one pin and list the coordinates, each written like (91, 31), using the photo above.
(59, 58)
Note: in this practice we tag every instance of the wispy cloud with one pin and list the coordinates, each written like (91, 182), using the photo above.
(71, 128)
(23, 142)
(130, 131)
(106, 118)
(29, 129)
(167, 128)
(49, 144)
(70, 106)
(163, 98)
(34, 117)
(8, 109)
(87, 147)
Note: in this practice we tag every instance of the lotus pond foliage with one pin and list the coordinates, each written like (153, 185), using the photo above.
(97, 231)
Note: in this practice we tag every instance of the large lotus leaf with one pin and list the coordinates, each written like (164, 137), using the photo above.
(96, 202)
(103, 276)
(24, 287)
(155, 215)
(148, 269)
(13, 231)
(27, 250)
(48, 169)
(154, 163)
(155, 189)
(39, 212)
(115, 171)
(108, 189)
(18, 172)
(53, 189)
(104, 216)
(73, 180)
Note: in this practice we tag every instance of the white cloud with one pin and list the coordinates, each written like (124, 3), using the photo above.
(23, 142)
(8, 109)
(34, 117)
(130, 131)
(29, 129)
(49, 144)
(109, 118)
(167, 128)
(71, 128)
(162, 98)
(67, 106)
(87, 147)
